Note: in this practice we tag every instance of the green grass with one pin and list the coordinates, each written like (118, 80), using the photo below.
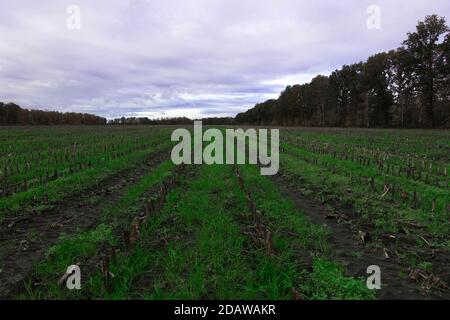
(71, 250)
(328, 280)
(84, 246)
(348, 167)
(130, 204)
(197, 248)
(384, 213)
(32, 200)
(203, 253)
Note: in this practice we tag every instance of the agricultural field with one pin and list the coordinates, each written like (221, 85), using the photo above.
(110, 200)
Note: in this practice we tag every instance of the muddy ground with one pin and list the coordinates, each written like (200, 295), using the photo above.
(26, 239)
(345, 239)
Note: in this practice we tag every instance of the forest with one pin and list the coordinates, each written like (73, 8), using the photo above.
(404, 88)
(12, 114)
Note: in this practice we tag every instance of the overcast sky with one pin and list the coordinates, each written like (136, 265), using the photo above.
(193, 58)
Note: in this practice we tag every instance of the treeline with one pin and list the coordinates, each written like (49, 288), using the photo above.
(218, 121)
(12, 114)
(147, 121)
(408, 87)
(171, 121)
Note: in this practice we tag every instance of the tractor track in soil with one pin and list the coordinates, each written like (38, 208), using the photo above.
(26, 239)
(343, 240)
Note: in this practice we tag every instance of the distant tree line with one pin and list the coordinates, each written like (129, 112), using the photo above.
(171, 121)
(218, 121)
(147, 121)
(407, 87)
(12, 114)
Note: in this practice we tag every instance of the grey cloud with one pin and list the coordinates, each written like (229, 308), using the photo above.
(192, 57)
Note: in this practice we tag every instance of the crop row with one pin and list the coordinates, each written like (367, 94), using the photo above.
(42, 167)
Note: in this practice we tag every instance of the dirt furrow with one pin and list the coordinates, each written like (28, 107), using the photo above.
(345, 241)
(26, 239)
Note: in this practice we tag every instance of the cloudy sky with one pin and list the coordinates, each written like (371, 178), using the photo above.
(194, 58)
